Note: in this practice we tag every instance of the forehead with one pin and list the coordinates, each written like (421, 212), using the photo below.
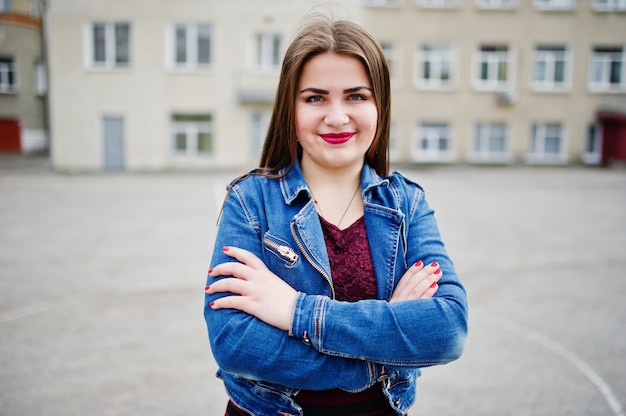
(333, 70)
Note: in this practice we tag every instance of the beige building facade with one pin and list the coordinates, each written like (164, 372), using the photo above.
(154, 84)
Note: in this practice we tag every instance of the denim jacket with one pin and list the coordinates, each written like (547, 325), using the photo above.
(333, 344)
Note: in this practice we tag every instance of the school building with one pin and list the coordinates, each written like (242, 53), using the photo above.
(153, 84)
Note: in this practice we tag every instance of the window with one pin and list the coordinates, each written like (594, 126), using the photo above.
(493, 68)
(496, 4)
(391, 57)
(40, 77)
(490, 144)
(609, 5)
(439, 4)
(5, 6)
(394, 146)
(546, 144)
(192, 134)
(592, 154)
(8, 81)
(607, 69)
(267, 48)
(260, 124)
(109, 45)
(383, 3)
(555, 4)
(192, 47)
(434, 66)
(34, 9)
(551, 68)
(432, 143)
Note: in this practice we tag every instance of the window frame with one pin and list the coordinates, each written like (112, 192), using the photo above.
(496, 4)
(192, 131)
(433, 132)
(481, 155)
(605, 85)
(9, 79)
(393, 61)
(550, 84)
(110, 45)
(608, 5)
(488, 84)
(267, 52)
(539, 136)
(438, 4)
(439, 51)
(192, 39)
(552, 5)
(383, 3)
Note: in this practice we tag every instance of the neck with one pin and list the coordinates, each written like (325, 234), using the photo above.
(339, 178)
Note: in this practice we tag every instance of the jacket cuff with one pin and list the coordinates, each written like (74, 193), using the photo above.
(307, 319)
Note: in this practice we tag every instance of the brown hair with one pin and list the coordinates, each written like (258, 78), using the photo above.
(319, 35)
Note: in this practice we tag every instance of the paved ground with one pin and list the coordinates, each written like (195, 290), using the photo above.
(101, 281)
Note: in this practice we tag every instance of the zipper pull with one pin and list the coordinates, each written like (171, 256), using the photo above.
(288, 253)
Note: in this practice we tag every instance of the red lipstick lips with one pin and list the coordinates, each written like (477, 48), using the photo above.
(337, 138)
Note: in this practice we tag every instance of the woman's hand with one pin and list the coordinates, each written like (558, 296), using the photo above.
(261, 292)
(419, 282)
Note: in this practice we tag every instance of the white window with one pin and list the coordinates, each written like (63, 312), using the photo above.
(192, 134)
(267, 52)
(490, 144)
(551, 68)
(108, 45)
(40, 77)
(555, 4)
(592, 154)
(8, 75)
(546, 144)
(496, 4)
(5, 6)
(494, 64)
(394, 146)
(191, 46)
(392, 60)
(607, 69)
(382, 3)
(433, 65)
(432, 143)
(609, 5)
(34, 8)
(439, 4)
(260, 124)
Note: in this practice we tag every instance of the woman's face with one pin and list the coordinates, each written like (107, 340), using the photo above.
(336, 115)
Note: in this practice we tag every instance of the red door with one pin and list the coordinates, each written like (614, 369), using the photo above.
(10, 136)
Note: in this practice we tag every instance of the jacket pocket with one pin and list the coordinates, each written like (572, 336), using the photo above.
(281, 249)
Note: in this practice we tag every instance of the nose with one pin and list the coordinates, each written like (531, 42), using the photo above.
(337, 115)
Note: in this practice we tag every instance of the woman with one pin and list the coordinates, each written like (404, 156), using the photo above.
(330, 286)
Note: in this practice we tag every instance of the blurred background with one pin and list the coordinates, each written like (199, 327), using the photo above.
(148, 85)
(122, 122)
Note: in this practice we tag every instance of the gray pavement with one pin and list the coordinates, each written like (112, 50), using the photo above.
(102, 276)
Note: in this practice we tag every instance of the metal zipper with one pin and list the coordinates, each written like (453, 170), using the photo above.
(308, 258)
(284, 251)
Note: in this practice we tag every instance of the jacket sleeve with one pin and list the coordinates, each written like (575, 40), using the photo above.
(245, 346)
(414, 333)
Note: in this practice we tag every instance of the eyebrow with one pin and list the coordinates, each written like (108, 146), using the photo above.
(346, 91)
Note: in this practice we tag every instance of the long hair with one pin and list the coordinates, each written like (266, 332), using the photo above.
(319, 35)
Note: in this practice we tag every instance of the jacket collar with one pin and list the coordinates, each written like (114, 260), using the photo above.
(293, 182)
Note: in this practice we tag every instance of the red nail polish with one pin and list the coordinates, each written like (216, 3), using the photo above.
(434, 264)
(207, 287)
(437, 271)
(210, 271)
(418, 263)
(433, 285)
(225, 248)
(211, 304)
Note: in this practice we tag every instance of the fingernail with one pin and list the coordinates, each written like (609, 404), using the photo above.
(433, 284)
(207, 287)
(211, 304)
(210, 271)
(437, 271)
(434, 264)
(225, 248)
(419, 263)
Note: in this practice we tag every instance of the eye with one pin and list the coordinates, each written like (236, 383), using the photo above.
(356, 97)
(314, 99)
